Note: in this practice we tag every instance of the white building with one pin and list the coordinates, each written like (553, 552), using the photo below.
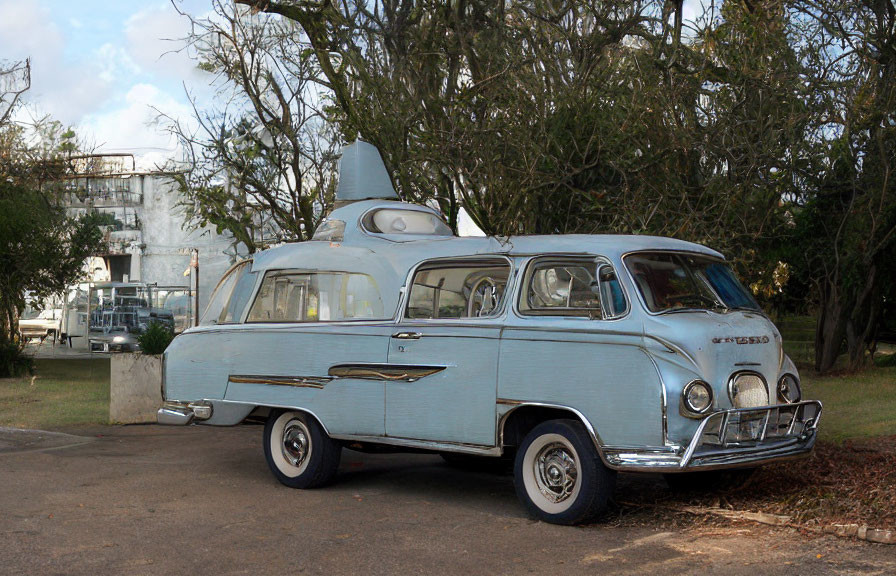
(147, 235)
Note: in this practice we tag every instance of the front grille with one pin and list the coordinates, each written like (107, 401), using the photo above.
(748, 390)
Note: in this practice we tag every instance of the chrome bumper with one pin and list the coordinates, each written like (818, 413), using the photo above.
(732, 439)
(182, 413)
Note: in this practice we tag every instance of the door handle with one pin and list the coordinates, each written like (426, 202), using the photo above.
(407, 335)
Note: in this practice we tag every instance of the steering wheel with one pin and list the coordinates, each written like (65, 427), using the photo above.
(485, 291)
(693, 300)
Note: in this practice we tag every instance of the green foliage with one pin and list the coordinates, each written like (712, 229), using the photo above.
(42, 249)
(12, 360)
(155, 339)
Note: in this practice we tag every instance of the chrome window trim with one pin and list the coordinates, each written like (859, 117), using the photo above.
(407, 208)
(734, 376)
(223, 277)
(404, 300)
(598, 259)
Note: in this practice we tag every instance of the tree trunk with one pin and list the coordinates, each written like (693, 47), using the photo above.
(830, 329)
(860, 327)
(850, 316)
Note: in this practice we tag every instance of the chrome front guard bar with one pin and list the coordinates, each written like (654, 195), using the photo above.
(732, 438)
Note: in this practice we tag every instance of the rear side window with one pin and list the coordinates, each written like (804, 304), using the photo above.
(447, 290)
(230, 296)
(583, 287)
(294, 296)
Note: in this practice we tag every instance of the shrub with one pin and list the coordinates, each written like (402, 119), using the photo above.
(155, 338)
(13, 360)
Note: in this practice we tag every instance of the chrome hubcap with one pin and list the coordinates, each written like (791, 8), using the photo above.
(556, 472)
(295, 443)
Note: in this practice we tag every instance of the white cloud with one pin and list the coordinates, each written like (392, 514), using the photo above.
(64, 89)
(132, 126)
(156, 41)
(115, 63)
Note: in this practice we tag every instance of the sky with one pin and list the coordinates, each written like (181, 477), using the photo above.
(101, 66)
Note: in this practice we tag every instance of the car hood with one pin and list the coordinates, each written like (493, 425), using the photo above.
(719, 344)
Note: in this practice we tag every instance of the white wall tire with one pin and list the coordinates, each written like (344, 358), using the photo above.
(559, 476)
(298, 451)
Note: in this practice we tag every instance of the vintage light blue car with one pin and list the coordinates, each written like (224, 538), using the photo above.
(582, 355)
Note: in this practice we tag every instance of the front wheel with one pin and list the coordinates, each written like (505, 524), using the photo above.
(559, 476)
(298, 451)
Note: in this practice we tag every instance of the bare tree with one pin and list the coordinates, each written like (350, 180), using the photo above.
(262, 150)
(15, 80)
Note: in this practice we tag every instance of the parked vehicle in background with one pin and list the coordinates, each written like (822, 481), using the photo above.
(120, 312)
(178, 300)
(40, 323)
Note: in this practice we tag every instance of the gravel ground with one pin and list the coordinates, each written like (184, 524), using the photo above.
(154, 500)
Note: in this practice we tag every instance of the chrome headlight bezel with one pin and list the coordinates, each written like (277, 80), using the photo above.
(733, 392)
(687, 405)
(786, 385)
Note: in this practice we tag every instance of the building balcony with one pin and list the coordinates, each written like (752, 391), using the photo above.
(82, 198)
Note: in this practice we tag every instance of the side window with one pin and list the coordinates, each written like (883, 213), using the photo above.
(611, 292)
(561, 288)
(572, 287)
(458, 290)
(292, 296)
(222, 306)
(239, 298)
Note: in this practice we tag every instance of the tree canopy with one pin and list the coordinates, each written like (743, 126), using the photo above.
(42, 248)
(763, 128)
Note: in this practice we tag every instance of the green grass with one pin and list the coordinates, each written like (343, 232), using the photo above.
(855, 405)
(62, 393)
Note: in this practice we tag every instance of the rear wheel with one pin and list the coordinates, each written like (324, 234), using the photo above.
(559, 476)
(298, 451)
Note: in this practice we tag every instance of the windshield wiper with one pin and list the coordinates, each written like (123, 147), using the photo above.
(689, 309)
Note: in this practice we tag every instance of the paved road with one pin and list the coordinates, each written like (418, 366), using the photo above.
(59, 349)
(153, 500)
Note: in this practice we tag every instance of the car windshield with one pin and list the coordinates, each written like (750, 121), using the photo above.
(670, 282)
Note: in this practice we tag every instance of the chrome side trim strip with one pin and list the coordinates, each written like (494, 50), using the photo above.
(387, 372)
(423, 444)
(296, 381)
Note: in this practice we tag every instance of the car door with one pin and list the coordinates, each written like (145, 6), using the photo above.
(449, 331)
(573, 343)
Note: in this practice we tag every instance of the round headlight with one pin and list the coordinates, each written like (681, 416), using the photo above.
(789, 389)
(697, 396)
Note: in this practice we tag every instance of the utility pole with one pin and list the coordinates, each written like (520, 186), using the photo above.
(194, 265)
